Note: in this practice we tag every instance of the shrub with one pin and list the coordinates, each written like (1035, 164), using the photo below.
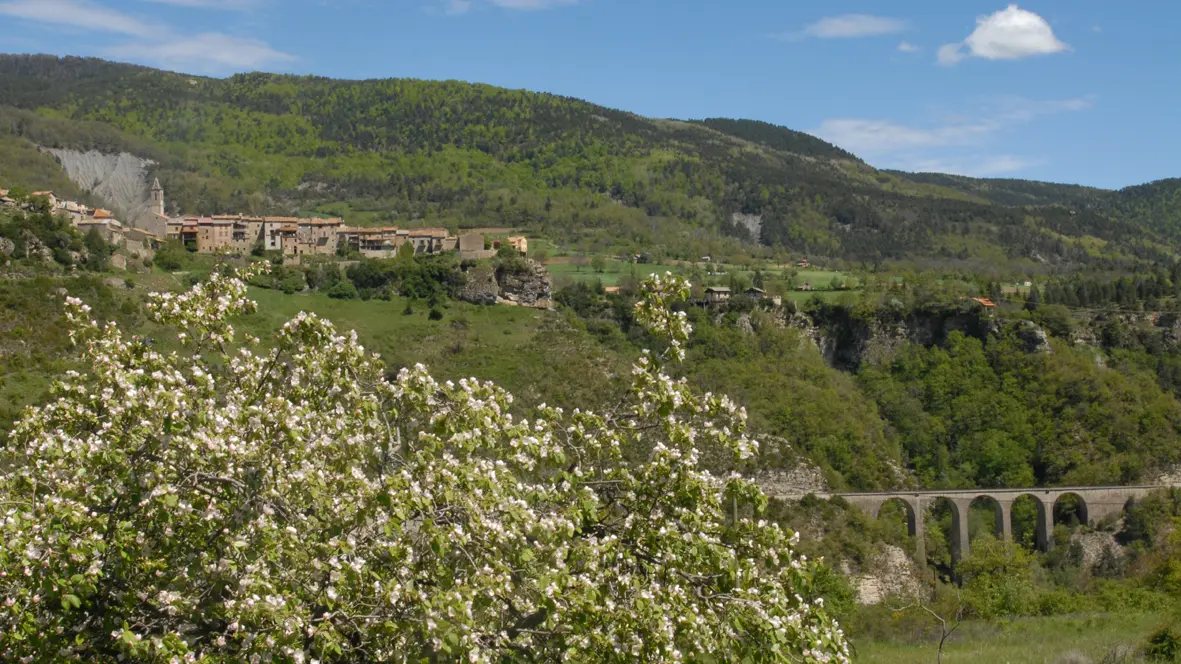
(998, 579)
(1164, 645)
(292, 282)
(171, 257)
(343, 290)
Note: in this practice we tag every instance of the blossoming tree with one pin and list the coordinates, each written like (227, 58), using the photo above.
(245, 502)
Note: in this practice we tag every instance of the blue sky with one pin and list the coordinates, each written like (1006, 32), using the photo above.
(1080, 91)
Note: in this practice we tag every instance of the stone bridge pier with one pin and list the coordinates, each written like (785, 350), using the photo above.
(1095, 505)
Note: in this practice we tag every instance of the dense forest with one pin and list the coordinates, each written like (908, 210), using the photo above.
(459, 154)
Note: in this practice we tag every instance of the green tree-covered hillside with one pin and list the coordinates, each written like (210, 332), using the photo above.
(409, 152)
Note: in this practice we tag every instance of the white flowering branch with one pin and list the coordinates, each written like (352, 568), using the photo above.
(230, 503)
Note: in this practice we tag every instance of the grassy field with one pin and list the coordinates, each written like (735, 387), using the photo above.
(470, 340)
(529, 352)
(578, 268)
(613, 270)
(1053, 640)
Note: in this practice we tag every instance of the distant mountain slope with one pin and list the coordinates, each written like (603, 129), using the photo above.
(1009, 191)
(1156, 205)
(777, 138)
(422, 152)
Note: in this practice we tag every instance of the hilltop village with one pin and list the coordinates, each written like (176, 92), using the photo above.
(294, 237)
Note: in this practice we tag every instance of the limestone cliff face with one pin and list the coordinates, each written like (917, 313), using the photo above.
(845, 340)
(528, 285)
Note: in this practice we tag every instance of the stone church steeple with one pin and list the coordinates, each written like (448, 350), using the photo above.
(157, 199)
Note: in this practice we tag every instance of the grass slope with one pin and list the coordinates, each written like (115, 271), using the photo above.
(1047, 640)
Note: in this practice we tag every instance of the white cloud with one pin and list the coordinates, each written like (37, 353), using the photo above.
(208, 52)
(882, 136)
(851, 26)
(233, 5)
(937, 145)
(950, 54)
(157, 44)
(1010, 34)
(907, 47)
(533, 4)
(1019, 109)
(977, 166)
(457, 7)
(79, 14)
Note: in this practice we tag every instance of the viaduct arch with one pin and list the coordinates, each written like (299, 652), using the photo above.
(1097, 503)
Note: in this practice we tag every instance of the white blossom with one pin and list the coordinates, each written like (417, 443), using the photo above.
(286, 502)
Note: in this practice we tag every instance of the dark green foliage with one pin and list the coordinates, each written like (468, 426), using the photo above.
(343, 290)
(1009, 191)
(973, 414)
(1164, 645)
(1147, 520)
(778, 138)
(98, 251)
(419, 277)
(172, 257)
(38, 230)
(34, 344)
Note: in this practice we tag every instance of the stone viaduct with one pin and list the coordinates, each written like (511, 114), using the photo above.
(1096, 503)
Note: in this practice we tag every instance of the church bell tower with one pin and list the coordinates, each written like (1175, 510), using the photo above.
(157, 199)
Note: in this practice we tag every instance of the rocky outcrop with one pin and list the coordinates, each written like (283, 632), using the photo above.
(1170, 476)
(1098, 548)
(753, 223)
(531, 287)
(480, 286)
(7, 246)
(36, 249)
(745, 324)
(525, 283)
(892, 574)
(802, 480)
(1035, 338)
(846, 340)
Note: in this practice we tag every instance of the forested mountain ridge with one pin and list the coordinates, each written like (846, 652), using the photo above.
(1008, 191)
(407, 151)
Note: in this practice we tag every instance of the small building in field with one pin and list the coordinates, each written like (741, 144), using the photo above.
(806, 286)
(716, 294)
